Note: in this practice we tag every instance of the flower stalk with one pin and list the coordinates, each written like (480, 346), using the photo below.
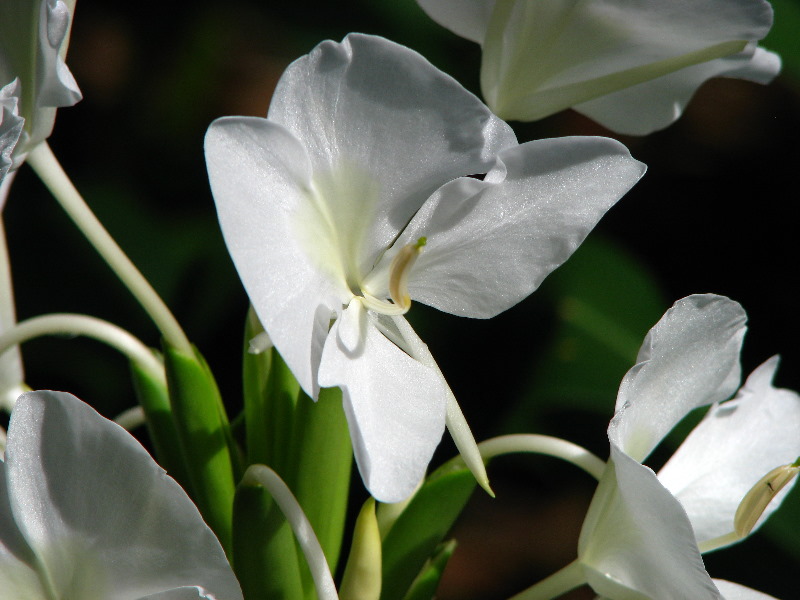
(49, 170)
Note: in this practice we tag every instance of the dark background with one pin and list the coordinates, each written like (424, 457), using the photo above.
(717, 212)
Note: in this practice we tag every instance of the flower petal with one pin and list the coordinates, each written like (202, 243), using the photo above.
(734, 591)
(690, 358)
(371, 106)
(542, 57)
(18, 578)
(655, 104)
(731, 449)
(637, 541)
(467, 18)
(102, 518)
(491, 243)
(395, 405)
(260, 178)
(33, 38)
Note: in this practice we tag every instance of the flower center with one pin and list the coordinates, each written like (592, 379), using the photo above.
(398, 281)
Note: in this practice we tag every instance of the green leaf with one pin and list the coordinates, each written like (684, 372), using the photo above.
(264, 554)
(605, 302)
(424, 586)
(205, 438)
(783, 37)
(320, 475)
(154, 399)
(420, 528)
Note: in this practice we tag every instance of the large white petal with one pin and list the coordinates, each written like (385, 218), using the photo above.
(395, 405)
(655, 104)
(542, 57)
(637, 542)
(690, 358)
(261, 180)
(375, 107)
(733, 447)
(734, 591)
(105, 521)
(467, 18)
(491, 243)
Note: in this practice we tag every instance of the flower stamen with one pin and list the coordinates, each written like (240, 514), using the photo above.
(755, 502)
(399, 270)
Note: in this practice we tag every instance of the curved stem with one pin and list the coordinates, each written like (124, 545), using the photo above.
(46, 165)
(71, 324)
(547, 445)
(538, 444)
(555, 585)
(261, 475)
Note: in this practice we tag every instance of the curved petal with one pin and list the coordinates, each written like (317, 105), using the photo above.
(731, 449)
(655, 104)
(690, 358)
(378, 108)
(261, 181)
(467, 18)
(637, 542)
(491, 243)
(102, 518)
(542, 57)
(734, 591)
(395, 405)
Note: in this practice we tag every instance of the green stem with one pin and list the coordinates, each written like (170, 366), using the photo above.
(553, 586)
(46, 165)
(538, 444)
(72, 324)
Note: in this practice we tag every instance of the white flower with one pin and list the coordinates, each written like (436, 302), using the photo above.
(353, 197)
(85, 513)
(644, 533)
(33, 40)
(630, 66)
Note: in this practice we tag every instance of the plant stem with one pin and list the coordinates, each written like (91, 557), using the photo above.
(46, 165)
(71, 324)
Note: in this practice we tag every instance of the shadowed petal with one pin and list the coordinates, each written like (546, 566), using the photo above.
(102, 518)
(637, 542)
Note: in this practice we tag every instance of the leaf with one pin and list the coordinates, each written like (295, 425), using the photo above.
(421, 527)
(424, 586)
(205, 438)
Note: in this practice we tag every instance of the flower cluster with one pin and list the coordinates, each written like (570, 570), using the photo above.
(374, 182)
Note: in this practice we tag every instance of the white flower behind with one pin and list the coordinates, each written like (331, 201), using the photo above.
(33, 40)
(630, 66)
(85, 513)
(643, 534)
(354, 197)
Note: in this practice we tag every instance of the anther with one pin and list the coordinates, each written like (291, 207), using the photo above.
(755, 502)
(399, 270)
